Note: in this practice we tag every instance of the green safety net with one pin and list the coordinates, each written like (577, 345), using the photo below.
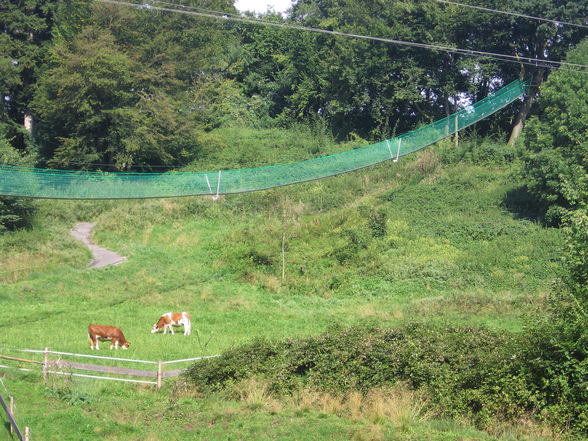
(65, 184)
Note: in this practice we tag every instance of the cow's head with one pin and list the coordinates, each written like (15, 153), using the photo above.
(126, 344)
(157, 326)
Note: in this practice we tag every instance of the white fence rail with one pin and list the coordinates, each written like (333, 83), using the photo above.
(63, 367)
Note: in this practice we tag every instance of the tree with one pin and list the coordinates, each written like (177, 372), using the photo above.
(555, 162)
(543, 41)
(24, 36)
(114, 99)
(14, 212)
(576, 255)
(78, 98)
(377, 89)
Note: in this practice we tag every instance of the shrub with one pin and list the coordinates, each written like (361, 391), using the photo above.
(555, 164)
(14, 212)
(460, 367)
(556, 354)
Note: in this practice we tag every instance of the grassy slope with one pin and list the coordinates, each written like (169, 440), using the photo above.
(445, 251)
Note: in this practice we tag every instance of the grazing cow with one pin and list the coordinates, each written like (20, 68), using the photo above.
(171, 319)
(104, 332)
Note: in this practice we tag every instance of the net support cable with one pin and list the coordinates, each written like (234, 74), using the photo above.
(66, 184)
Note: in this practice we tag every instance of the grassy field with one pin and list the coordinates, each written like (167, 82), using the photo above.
(428, 240)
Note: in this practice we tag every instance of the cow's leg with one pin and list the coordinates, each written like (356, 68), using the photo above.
(187, 327)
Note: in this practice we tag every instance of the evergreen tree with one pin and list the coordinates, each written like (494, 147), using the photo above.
(25, 31)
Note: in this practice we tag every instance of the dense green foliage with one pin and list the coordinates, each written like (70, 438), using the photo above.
(414, 273)
(555, 163)
(427, 237)
(118, 88)
(465, 370)
(24, 40)
(14, 212)
(576, 256)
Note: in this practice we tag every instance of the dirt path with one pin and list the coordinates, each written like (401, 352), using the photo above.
(101, 256)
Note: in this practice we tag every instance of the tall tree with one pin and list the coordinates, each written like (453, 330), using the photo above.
(555, 163)
(114, 97)
(25, 30)
(543, 41)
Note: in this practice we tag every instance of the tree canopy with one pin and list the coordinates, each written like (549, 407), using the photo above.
(114, 87)
(556, 157)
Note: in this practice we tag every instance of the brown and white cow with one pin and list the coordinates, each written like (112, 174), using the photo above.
(105, 332)
(171, 319)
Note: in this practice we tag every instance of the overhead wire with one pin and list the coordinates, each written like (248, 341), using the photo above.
(515, 14)
(217, 15)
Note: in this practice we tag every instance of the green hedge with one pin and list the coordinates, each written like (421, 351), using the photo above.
(460, 367)
(466, 371)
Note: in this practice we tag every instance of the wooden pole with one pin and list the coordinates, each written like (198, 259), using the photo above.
(159, 374)
(24, 360)
(283, 256)
(45, 364)
(12, 412)
(456, 139)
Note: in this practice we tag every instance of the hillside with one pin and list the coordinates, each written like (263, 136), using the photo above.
(434, 239)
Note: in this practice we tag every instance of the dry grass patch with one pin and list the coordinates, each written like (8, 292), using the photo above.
(398, 405)
(525, 428)
(254, 393)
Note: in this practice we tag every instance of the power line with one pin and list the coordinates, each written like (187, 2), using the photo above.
(496, 11)
(537, 62)
(515, 14)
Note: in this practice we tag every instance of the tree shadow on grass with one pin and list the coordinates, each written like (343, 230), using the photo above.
(524, 205)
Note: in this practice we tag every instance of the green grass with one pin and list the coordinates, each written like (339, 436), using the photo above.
(422, 240)
(84, 410)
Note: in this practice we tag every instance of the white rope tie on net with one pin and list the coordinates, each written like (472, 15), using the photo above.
(208, 183)
(215, 197)
(389, 148)
(398, 151)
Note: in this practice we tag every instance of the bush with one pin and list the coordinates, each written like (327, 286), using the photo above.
(14, 212)
(477, 151)
(466, 371)
(556, 355)
(462, 368)
(555, 160)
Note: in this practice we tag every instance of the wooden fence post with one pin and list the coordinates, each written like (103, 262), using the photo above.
(456, 138)
(12, 412)
(27, 434)
(45, 364)
(159, 373)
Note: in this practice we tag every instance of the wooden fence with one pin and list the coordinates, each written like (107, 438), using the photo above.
(58, 366)
(52, 366)
(9, 409)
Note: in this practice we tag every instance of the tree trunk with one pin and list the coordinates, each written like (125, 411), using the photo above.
(537, 80)
(521, 118)
(28, 122)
